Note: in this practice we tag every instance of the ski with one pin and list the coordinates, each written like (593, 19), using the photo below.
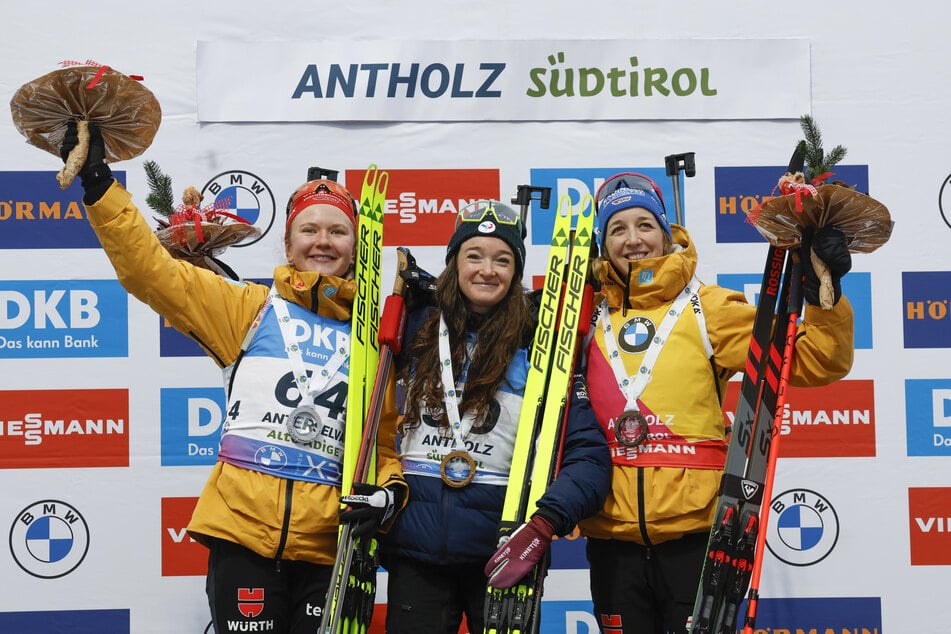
(793, 307)
(541, 421)
(359, 443)
(731, 547)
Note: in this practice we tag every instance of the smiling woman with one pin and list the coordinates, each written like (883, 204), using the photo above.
(663, 347)
(272, 523)
(320, 234)
(464, 370)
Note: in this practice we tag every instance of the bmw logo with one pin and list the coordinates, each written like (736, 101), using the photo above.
(49, 539)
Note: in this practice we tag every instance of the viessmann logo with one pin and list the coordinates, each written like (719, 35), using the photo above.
(422, 205)
(830, 421)
(929, 519)
(181, 555)
(64, 428)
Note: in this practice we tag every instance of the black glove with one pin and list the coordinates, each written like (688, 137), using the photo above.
(95, 175)
(420, 289)
(829, 245)
(370, 507)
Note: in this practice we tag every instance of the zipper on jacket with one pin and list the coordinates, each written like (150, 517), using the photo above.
(642, 523)
(627, 288)
(285, 525)
(444, 503)
(208, 350)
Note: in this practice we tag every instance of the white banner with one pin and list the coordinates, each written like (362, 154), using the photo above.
(488, 80)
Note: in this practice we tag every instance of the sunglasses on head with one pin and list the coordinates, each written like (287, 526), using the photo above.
(320, 187)
(478, 210)
(629, 180)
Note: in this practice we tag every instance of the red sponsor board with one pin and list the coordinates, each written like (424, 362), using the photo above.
(421, 205)
(42, 429)
(929, 518)
(181, 555)
(818, 422)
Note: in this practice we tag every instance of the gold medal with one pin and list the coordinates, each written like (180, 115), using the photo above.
(457, 469)
(631, 429)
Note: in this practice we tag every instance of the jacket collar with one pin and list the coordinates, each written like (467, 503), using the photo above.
(326, 295)
(651, 282)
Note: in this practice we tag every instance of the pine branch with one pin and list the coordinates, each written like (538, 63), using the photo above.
(160, 199)
(817, 161)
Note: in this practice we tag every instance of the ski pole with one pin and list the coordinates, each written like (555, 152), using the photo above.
(674, 163)
(523, 198)
(795, 305)
(390, 336)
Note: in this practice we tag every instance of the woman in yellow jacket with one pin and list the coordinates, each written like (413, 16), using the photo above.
(269, 512)
(646, 546)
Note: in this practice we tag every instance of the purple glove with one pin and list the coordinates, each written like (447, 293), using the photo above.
(519, 553)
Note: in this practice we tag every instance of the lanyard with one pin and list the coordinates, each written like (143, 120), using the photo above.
(451, 394)
(632, 390)
(307, 386)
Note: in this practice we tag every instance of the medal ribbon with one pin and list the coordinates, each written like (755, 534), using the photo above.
(307, 387)
(632, 390)
(451, 394)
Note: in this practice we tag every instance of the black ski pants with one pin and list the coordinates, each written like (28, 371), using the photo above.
(641, 590)
(426, 598)
(260, 594)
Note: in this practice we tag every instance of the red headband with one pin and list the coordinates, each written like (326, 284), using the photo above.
(321, 196)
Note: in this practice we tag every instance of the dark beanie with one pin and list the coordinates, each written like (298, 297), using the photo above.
(489, 226)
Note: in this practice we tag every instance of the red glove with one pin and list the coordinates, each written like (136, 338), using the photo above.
(519, 553)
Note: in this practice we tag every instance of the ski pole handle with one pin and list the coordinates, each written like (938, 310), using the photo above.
(674, 163)
(393, 323)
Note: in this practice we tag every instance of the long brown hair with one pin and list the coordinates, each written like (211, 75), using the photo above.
(499, 335)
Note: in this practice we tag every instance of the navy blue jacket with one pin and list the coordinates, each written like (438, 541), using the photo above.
(450, 526)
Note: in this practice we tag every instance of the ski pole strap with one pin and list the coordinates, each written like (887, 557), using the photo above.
(632, 390)
(305, 385)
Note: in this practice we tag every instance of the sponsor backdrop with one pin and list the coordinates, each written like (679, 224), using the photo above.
(109, 419)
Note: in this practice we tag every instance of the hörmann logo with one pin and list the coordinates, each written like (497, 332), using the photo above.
(740, 190)
(36, 214)
(926, 308)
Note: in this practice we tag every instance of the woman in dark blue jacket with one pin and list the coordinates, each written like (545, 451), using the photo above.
(457, 443)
